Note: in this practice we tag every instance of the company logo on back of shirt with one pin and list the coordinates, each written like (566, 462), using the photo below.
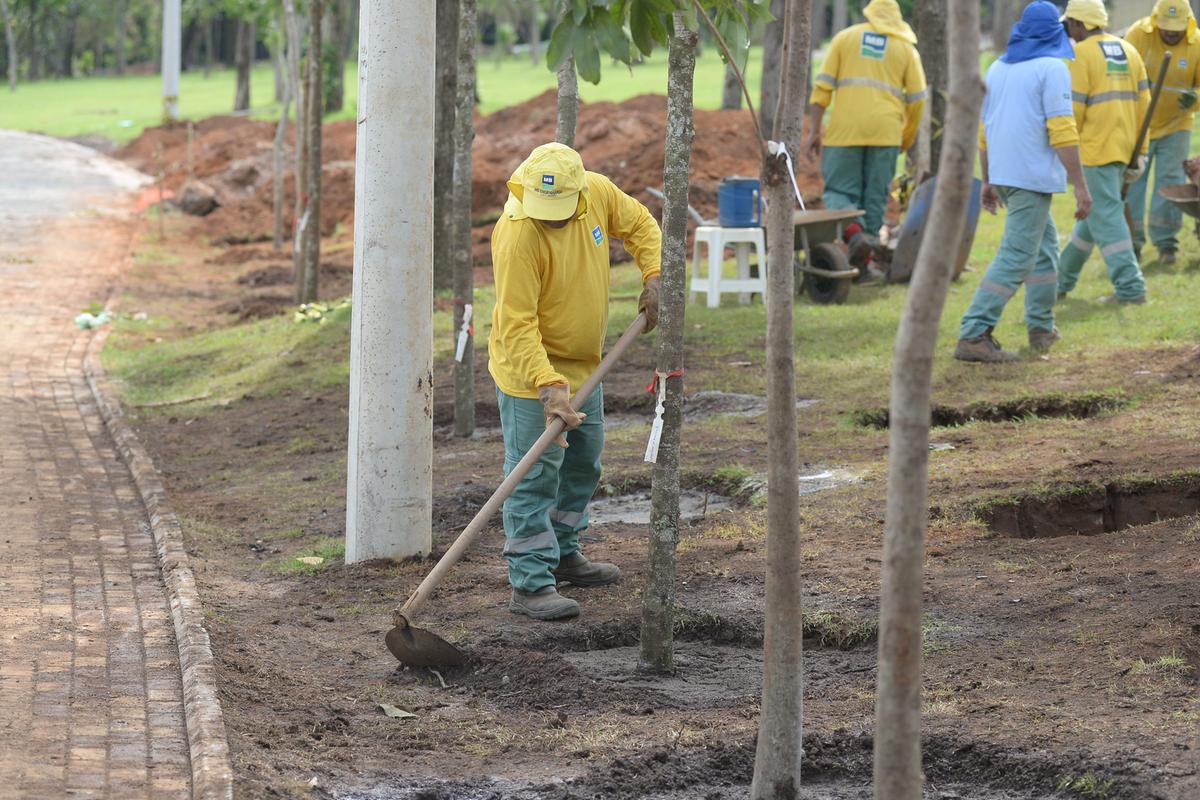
(598, 235)
(1115, 58)
(874, 45)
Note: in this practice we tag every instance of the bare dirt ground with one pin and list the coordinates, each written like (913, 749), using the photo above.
(1058, 665)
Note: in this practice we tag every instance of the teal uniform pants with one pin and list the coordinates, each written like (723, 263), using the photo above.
(1167, 155)
(1028, 254)
(1105, 227)
(548, 510)
(859, 177)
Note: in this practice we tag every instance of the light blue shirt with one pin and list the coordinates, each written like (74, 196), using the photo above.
(1020, 99)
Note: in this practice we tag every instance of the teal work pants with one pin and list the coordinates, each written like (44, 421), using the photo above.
(859, 177)
(1028, 254)
(1167, 155)
(1105, 227)
(544, 516)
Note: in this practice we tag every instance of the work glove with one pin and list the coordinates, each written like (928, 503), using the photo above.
(1134, 171)
(648, 303)
(556, 402)
(1187, 99)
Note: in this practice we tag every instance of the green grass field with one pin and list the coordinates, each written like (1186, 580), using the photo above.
(120, 108)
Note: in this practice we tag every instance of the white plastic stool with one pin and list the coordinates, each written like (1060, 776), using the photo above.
(716, 239)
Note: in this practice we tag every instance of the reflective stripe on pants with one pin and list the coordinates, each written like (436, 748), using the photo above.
(544, 516)
(1028, 254)
(1106, 227)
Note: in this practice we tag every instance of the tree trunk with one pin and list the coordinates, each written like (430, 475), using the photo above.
(35, 39)
(768, 102)
(817, 37)
(929, 17)
(122, 34)
(336, 20)
(446, 65)
(568, 103)
(209, 47)
(294, 44)
(277, 155)
(310, 222)
(535, 33)
(1004, 14)
(898, 694)
(780, 729)
(731, 92)
(10, 40)
(464, 266)
(244, 59)
(279, 68)
(658, 597)
(841, 16)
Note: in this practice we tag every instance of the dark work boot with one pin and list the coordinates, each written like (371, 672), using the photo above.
(1040, 340)
(983, 348)
(577, 570)
(545, 603)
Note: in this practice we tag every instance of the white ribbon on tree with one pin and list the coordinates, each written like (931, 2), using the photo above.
(464, 333)
(656, 428)
(777, 149)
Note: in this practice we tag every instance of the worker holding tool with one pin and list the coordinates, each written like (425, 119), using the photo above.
(550, 257)
(1111, 95)
(875, 72)
(1028, 148)
(1171, 28)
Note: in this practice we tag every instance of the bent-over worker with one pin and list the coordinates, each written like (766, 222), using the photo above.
(1028, 147)
(1111, 96)
(551, 262)
(1170, 29)
(874, 79)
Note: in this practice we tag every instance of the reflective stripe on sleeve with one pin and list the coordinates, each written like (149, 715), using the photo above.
(915, 96)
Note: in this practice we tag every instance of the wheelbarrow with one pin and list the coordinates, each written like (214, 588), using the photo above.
(823, 270)
(1186, 197)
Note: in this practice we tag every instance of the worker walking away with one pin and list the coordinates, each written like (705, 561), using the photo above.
(873, 77)
(551, 262)
(1111, 96)
(1170, 29)
(1028, 147)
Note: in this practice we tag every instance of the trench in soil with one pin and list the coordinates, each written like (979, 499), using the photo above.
(1074, 406)
(1090, 509)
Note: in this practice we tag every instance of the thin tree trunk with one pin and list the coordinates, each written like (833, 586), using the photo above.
(294, 46)
(731, 92)
(568, 103)
(279, 68)
(930, 23)
(446, 65)
(244, 58)
(335, 63)
(277, 156)
(898, 694)
(310, 222)
(768, 102)
(658, 596)
(780, 730)
(35, 34)
(1003, 16)
(11, 43)
(464, 276)
(209, 47)
(122, 33)
(841, 16)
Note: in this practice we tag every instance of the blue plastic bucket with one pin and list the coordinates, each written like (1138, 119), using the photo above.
(739, 202)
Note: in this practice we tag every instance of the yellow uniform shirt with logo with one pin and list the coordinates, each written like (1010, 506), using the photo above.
(1182, 76)
(1111, 95)
(880, 87)
(552, 287)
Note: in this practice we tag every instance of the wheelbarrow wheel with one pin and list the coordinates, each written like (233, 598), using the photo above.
(823, 291)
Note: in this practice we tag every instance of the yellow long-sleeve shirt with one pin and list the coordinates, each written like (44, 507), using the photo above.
(1182, 76)
(880, 87)
(1111, 96)
(552, 287)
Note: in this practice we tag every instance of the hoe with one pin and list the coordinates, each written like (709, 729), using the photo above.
(421, 648)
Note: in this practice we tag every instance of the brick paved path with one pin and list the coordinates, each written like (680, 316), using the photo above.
(90, 695)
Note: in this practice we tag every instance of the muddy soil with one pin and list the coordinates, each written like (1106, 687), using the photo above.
(1049, 659)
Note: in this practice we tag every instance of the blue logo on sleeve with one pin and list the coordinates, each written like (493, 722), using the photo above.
(598, 235)
(874, 45)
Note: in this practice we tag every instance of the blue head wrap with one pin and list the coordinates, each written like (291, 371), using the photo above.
(1038, 34)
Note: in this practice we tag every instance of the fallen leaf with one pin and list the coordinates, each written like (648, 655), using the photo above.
(312, 561)
(395, 713)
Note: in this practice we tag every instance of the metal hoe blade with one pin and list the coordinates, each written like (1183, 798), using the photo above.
(417, 647)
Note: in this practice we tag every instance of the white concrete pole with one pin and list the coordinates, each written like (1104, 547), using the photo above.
(172, 33)
(390, 460)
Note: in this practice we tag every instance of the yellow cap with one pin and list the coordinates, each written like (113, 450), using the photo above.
(1172, 15)
(1089, 12)
(550, 184)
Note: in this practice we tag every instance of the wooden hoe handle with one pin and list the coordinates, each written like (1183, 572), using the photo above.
(1145, 131)
(477, 525)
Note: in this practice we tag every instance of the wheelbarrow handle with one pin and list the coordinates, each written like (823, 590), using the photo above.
(477, 525)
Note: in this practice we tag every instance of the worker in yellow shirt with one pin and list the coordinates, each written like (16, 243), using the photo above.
(873, 77)
(1111, 96)
(1170, 29)
(551, 263)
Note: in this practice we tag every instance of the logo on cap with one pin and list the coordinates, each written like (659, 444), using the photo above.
(548, 182)
(1172, 11)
